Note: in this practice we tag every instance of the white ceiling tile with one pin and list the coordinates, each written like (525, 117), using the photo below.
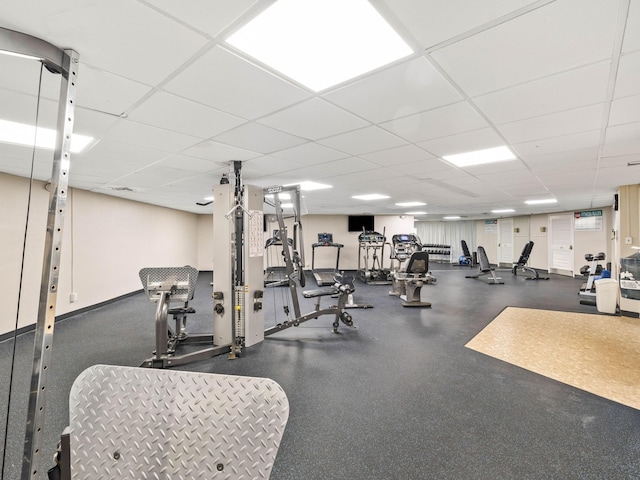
(516, 167)
(133, 133)
(23, 108)
(206, 16)
(258, 138)
(310, 153)
(622, 140)
(632, 28)
(564, 91)
(219, 152)
(153, 177)
(22, 75)
(197, 165)
(620, 161)
(439, 122)
(554, 125)
(337, 168)
(397, 156)
(563, 143)
(502, 61)
(106, 92)
(517, 51)
(563, 161)
(365, 140)
(119, 36)
(463, 142)
(229, 83)
(266, 165)
(170, 112)
(436, 21)
(628, 79)
(106, 154)
(625, 110)
(92, 123)
(314, 119)
(431, 166)
(405, 89)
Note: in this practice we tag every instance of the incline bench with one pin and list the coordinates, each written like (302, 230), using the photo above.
(485, 268)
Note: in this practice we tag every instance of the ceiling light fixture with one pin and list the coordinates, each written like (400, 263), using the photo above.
(410, 204)
(541, 201)
(23, 134)
(416, 213)
(320, 43)
(504, 210)
(452, 217)
(281, 195)
(371, 196)
(481, 157)
(309, 186)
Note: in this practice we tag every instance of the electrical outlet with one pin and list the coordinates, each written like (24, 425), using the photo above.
(628, 240)
(73, 297)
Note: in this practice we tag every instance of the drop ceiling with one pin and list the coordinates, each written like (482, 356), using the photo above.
(170, 105)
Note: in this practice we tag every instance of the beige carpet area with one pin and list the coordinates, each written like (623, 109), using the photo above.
(596, 353)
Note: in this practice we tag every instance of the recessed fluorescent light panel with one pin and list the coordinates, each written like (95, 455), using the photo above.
(309, 186)
(452, 217)
(281, 196)
(22, 134)
(370, 196)
(504, 210)
(540, 202)
(410, 204)
(480, 157)
(320, 43)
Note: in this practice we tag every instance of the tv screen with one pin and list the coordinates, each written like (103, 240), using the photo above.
(358, 223)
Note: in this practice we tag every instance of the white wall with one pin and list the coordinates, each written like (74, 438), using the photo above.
(531, 228)
(105, 243)
(338, 226)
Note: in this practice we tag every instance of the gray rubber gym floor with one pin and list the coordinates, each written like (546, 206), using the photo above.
(398, 398)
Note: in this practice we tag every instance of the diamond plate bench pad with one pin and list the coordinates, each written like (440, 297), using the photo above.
(135, 423)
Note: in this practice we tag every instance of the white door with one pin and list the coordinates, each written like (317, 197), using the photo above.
(505, 241)
(561, 244)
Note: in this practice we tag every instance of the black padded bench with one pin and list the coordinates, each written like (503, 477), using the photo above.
(485, 268)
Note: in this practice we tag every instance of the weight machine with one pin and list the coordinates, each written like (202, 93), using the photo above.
(275, 275)
(341, 287)
(408, 282)
(372, 272)
(591, 271)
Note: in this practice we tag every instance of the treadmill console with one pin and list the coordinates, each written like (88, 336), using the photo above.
(370, 236)
(326, 240)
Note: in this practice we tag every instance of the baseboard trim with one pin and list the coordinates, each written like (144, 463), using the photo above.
(64, 316)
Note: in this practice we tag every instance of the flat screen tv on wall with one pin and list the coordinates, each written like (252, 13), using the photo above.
(358, 223)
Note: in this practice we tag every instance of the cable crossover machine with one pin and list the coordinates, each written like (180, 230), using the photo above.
(238, 293)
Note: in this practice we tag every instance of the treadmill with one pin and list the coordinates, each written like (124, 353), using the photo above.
(275, 275)
(324, 276)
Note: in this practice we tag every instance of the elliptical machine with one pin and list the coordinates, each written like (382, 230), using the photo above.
(372, 272)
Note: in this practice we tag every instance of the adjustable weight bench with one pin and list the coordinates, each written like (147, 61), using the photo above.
(466, 253)
(522, 262)
(485, 268)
